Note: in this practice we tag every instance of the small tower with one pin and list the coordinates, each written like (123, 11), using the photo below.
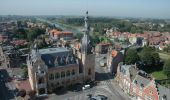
(87, 56)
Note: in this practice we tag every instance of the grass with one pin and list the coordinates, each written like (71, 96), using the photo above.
(159, 75)
(164, 56)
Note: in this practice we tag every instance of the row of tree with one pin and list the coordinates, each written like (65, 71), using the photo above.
(122, 25)
(28, 34)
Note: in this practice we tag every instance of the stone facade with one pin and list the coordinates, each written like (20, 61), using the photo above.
(51, 68)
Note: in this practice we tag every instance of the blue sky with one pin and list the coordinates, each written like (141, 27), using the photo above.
(122, 8)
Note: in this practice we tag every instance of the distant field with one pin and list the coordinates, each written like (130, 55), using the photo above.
(159, 75)
(164, 56)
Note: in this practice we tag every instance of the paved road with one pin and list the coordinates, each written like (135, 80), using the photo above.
(104, 76)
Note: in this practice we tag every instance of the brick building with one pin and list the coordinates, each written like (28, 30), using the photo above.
(139, 84)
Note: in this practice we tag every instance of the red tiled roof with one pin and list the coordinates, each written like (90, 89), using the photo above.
(19, 42)
(114, 53)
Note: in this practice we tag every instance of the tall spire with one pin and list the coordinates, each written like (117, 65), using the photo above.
(85, 45)
(86, 25)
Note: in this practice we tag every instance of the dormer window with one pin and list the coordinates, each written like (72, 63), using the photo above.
(49, 62)
(164, 97)
(141, 86)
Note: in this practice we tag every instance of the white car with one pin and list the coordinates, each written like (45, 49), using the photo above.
(85, 87)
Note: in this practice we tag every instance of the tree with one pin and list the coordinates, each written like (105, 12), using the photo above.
(166, 68)
(131, 56)
(146, 58)
(167, 49)
(156, 58)
(149, 57)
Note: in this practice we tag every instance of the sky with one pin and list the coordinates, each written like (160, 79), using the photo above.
(116, 8)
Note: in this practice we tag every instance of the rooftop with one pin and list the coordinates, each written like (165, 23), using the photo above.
(53, 50)
(54, 57)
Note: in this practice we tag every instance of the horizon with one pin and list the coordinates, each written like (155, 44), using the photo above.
(154, 9)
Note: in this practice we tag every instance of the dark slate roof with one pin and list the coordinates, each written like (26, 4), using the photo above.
(133, 72)
(54, 57)
(141, 81)
(163, 92)
(125, 69)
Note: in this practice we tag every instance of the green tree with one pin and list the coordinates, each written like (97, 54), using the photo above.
(149, 57)
(131, 56)
(166, 68)
(156, 58)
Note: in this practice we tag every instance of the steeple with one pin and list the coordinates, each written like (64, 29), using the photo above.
(86, 47)
(86, 25)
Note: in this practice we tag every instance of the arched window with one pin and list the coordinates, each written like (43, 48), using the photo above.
(62, 74)
(51, 77)
(89, 71)
(68, 73)
(57, 75)
(73, 72)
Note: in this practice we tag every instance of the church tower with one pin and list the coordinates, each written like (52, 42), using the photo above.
(87, 56)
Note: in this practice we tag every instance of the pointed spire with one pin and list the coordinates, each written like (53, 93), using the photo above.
(86, 47)
(86, 23)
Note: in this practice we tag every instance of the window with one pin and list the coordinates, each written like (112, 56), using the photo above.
(68, 73)
(73, 72)
(62, 74)
(164, 97)
(41, 80)
(51, 77)
(89, 71)
(151, 92)
(57, 75)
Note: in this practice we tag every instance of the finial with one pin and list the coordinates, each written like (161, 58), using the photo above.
(86, 12)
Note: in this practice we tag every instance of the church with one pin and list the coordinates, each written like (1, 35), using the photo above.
(51, 68)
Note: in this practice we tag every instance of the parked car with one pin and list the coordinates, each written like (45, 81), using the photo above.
(85, 87)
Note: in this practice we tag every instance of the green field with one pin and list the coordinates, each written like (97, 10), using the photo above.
(159, 75)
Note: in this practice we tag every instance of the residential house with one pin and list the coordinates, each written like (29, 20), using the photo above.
(113, 59)
(139, 84)
(102, 48)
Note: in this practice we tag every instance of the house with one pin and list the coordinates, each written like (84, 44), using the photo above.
(139, 84)
(55, 34)
(3, 37)
(102, 48)
(113, 59)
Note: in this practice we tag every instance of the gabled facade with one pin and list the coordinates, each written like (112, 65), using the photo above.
(139, 84)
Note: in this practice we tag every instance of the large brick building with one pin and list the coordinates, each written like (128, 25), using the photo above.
(139, 84)
(51, 68)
